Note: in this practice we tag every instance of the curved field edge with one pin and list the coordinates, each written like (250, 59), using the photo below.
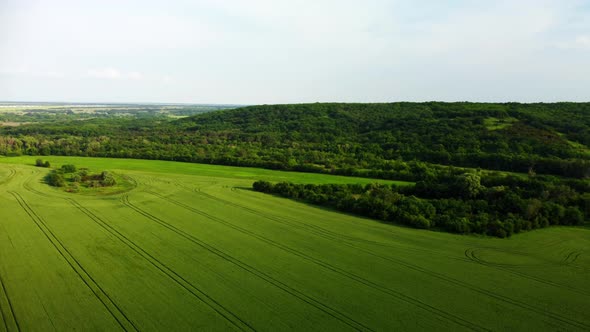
(272, 263)
(172, 167)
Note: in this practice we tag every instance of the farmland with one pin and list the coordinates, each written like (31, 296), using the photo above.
(190, 246)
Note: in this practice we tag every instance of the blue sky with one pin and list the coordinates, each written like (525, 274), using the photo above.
(263, 51)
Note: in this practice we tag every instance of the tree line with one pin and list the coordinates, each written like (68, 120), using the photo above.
(456, 201)
(369, 140)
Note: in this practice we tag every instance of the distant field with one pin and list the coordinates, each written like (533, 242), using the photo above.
(15, 114)
(190, 247)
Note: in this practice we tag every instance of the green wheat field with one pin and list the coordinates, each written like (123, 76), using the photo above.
(191, 247)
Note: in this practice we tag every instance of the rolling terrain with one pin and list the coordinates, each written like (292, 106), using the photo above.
(369, 140)
(190, 247)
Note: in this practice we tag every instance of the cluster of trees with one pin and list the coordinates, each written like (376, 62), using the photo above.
(372, 140)
(70, 177)
(468, 202)
(427, 143)
(41, 163)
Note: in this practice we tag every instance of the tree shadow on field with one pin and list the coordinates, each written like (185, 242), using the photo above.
(243, 188)
(333, 210)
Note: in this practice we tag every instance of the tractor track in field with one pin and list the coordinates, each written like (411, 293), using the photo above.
(254, 271)
(92, 216)
(571, 258)
(239, 191)
(472, 254)
(28, 187)
(327, 234)
(469, 254)
(9, 318)
(393, 293)
(568, 261)
(10, 176)
(123, 321)
(337, 237)
(323, 230)
(178, 279)
(320, 231)
(340, 238)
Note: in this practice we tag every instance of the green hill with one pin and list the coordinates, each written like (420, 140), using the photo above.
(349, 139)
(550, 138)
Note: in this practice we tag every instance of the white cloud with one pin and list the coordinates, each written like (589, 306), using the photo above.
(583, 41)
(25, 71)
(110, 73)
(168, 80)
(264, 51)
(580, 42)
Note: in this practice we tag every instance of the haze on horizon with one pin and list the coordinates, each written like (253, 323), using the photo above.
(265, 51)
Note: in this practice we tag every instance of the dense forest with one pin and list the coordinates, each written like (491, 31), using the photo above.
(455, 201)
(539, 153)
(372, 140)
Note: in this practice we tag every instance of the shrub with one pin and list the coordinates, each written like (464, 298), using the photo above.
(107, 179)
(68, 168)
(459, 225)
(420, 222)
(262, 186)
(573, 216)
(56, 179)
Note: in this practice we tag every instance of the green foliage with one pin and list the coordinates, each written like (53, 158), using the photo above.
(40, 163)
(573, 216)
(492, 123)
(68, 168)
(56, 179)
(469, 185)
(76, 178)
(369, 140)
(453, 201)
(72, 180)
(107, 179)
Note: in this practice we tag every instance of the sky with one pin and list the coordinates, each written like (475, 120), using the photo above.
(294, 51)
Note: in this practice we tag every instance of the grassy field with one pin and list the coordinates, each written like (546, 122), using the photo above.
(190, 247)
(497, 124)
